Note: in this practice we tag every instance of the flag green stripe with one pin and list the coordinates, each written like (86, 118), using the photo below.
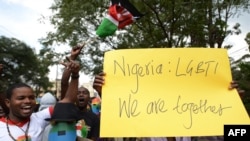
(107, 27)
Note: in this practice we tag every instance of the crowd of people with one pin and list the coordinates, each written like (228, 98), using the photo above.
(73, 118)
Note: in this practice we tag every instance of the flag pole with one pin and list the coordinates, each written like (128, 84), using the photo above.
(91, 39)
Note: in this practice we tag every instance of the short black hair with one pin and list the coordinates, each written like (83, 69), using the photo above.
(9, 91)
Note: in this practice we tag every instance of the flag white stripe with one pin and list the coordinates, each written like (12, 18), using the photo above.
(114, 21)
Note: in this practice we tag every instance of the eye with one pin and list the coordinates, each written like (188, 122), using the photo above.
(20, 98)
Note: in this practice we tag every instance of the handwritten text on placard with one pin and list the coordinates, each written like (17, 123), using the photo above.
(185, 90)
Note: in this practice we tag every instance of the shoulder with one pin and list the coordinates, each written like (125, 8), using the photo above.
(2, 122)
(43, 114)
(2, 119)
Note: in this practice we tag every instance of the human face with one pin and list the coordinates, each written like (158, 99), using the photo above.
(21, 104)
(83, 97)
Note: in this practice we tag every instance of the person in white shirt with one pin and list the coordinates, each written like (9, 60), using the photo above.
(22, 123)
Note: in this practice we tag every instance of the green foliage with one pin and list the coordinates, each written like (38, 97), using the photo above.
(21, 64)
(73, 20)
(166, 24)
(247, 39)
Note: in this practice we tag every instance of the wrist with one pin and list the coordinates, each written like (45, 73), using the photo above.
(75, 76)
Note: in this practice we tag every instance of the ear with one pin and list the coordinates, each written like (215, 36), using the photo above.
(7, 102)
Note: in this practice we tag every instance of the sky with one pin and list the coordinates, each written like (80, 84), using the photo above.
(26, 21)
(21, 19)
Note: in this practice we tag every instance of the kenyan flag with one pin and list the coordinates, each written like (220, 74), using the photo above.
(120, 14)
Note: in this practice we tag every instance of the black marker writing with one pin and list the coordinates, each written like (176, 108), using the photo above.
(138, 70)
(156, 107)
(197, 68)
(201, 107)
(130, 107)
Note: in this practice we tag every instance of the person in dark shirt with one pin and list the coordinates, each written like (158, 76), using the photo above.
(89, 125)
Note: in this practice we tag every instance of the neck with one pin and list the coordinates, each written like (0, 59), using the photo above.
(17, 120)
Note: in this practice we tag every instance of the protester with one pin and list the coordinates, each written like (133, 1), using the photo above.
(89, 125)
(91, 120)
(65, 115)
(22, 123)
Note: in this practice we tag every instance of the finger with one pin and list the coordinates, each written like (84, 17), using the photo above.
(82, 44)
(63, 63)
(98, 85)
(68, 59)
(241, 91)
(74, 66)
(99, 79)
(233, 85)
(77, 48)
(102, 73)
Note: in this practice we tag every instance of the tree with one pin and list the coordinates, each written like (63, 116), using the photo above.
(166, 24)
(241, 73)
(21, 64)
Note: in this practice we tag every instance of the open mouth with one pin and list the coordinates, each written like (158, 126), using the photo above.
(81, 100)
(27, 109)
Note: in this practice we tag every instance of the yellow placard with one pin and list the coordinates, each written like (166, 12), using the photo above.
(168, 92)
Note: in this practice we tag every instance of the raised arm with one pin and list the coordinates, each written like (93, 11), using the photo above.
(72, 90)
(66, 73)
